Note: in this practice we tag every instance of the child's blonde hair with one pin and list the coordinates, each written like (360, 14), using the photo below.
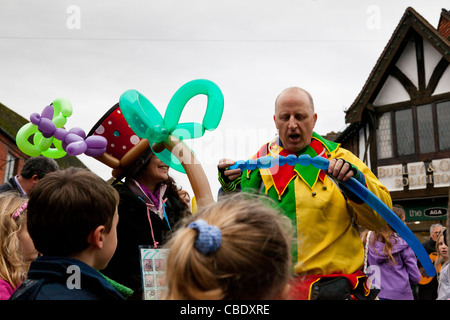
(253, 260)
(13, 211)
(386, 233)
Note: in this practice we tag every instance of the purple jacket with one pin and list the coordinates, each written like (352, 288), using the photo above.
(394, 281)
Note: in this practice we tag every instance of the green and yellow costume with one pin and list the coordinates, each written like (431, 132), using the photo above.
(327, 241)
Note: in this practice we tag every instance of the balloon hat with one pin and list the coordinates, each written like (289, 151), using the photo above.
(125, 152)
(144, 132)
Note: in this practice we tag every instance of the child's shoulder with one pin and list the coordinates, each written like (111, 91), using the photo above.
(62, 278)
(6, 289)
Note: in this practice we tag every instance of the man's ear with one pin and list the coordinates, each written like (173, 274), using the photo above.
(96, 237)
(35, 178)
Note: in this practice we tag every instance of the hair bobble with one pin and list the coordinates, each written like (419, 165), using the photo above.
(209, 237)
(20, 210)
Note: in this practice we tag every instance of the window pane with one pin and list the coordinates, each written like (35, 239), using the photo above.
(10, 165)
(443, 117)
(384, 137)
(426, 130)
(405, 132)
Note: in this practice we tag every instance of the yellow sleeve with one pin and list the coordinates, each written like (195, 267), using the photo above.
(364, 215)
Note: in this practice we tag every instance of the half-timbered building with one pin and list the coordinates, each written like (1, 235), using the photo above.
(399, 124)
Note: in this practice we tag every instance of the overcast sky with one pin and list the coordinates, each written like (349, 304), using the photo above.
(90, 52)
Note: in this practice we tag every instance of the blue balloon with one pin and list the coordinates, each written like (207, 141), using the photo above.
(386, 213)
(304, 160)
(320, 163)
(265, 162)
(251, 164)
(365, 195)
(291, 160)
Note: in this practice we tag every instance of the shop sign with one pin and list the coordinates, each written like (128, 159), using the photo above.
(415, 175)
(425, 213)
(435, 212)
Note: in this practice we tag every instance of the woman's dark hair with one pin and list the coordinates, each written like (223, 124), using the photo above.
(172, 188)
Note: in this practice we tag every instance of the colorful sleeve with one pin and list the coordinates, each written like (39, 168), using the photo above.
(227, 185)
(363, 213)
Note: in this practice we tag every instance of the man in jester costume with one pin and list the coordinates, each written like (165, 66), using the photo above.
(328, 254)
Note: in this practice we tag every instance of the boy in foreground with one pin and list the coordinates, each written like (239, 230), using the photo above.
(72, 219)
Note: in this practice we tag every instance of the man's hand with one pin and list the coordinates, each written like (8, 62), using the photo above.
(340, 169)
(230, 174)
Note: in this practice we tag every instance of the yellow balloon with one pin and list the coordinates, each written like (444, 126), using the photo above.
(194, 205)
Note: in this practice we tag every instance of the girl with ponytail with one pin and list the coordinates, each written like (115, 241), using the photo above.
(238, 248)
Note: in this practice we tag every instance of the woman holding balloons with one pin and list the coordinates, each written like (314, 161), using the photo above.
(149, 207)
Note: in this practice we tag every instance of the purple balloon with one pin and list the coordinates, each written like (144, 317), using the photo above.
(78, 131)
(47, 127)
(60, 134)
(76, 148)
(96, 142)
(94, 152)
(72, 137)
(35, 118)
(74, 141)
(48, 112)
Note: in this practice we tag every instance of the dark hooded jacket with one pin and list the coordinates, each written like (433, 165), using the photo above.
(62, 278)
(135, 230)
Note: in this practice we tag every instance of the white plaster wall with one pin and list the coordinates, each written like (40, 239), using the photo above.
(391, 92)
(431, 59)
(363, 134)
(407, 63)
(444, 84)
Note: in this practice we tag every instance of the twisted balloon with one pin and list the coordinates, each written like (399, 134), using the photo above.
(354, 186)
(145, 120)
(168, 134)
(47, 129)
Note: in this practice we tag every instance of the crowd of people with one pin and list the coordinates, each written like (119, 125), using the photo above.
(286, 232)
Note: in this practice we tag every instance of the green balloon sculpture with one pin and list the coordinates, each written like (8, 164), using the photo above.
(146, 121)
(168, 134)
(42, 146)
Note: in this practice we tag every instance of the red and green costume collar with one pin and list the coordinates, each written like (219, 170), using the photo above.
(281, 176)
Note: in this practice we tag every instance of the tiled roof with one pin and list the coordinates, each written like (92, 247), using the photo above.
(444, 24)
(10, 122)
